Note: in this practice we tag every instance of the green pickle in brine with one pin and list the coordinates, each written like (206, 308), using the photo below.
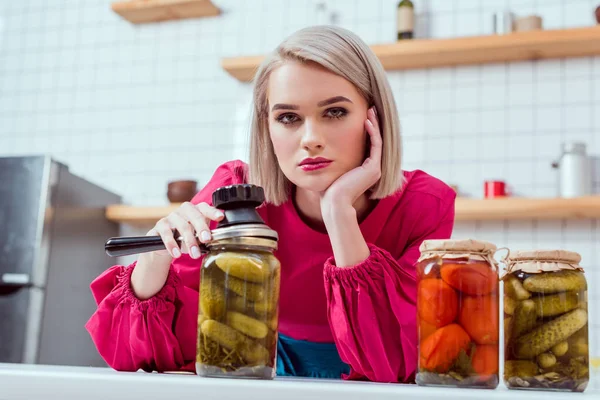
(547, 343)
(237, 321)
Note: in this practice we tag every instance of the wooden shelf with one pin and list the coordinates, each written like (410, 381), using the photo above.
(138, 215)
(428, 53)
(514, 208)
(144, 11)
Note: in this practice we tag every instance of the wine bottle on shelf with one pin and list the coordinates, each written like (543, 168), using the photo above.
(405, 19)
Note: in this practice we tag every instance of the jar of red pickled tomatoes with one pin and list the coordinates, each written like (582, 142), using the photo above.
(457, 314)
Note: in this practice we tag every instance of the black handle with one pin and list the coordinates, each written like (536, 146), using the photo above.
(128, 245)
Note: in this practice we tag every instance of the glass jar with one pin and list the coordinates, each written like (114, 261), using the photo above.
(545, 322)
(458, 314)
(239, 291)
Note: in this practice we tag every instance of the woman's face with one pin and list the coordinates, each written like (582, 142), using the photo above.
(315, 114)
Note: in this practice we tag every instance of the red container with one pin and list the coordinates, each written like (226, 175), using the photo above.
(492, 189)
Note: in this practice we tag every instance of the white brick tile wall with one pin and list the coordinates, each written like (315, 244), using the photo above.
(133, 106)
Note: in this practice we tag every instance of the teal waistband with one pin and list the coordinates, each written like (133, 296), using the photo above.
(307, 359)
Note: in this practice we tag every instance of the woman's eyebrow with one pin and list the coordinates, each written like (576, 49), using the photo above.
(336, 99)
(332, 100)
(281, 106)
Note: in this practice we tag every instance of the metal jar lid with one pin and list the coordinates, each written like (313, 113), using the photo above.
(263, 235)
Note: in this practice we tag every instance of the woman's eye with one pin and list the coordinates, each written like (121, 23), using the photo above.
(287, 119)
(335, 113)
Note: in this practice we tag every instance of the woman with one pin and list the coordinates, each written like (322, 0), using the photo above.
(325, 146)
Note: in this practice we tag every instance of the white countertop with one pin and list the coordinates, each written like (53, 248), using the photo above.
(18, 381)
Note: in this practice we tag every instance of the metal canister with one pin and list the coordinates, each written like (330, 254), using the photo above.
(502, 22)
(574, 171)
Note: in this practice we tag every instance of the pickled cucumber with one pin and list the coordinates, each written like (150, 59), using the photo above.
(561, 281)
(237, 303)
(524, 318)
(560, 349)
(509, 305)
(579, 369)
(578, 347)
(212, 298)
(243, 266)
(201, 319)
(273, 322)
(508, 327)
(269, 304)
(555, 304)
(550, 334)
(248, 326)
(520, 368)
(247, 290)
(572, 368)
(581, 334)
(264, 307)
(233, 340)
(578, 344)
(273, 262)
(546, 360)
(514, 288)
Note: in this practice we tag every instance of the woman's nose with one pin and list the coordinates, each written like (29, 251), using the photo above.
(312, 138)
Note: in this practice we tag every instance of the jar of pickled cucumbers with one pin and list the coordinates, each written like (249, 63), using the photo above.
(239, 291)
(457, 314)
(545, 321)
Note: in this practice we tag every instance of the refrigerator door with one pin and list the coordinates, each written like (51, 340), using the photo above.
(26, 185)
(25, 193)
(76, 257)
(15, 303)
(51, 248)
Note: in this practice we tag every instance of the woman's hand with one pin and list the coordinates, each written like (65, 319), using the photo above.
(350, 186)
(192, 223)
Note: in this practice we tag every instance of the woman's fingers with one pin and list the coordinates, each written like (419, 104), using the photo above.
(197, 220)
(210, 212)
(165, 231)
(191, 223)
(186, 231)
(376, 140)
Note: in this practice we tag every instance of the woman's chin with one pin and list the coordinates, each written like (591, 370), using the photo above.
(314, 183)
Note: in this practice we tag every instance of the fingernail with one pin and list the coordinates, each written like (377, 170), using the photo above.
(219, 214)
(205, 236)
(195, 252)
(176, 252)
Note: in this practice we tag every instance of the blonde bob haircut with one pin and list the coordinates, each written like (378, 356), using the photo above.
(345, 54)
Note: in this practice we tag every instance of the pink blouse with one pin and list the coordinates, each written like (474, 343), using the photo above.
(368, 310)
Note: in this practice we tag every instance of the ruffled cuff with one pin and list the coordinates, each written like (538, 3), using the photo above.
(371, 266)
(167, 294)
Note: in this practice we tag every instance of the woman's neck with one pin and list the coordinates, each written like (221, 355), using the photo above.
(308, 205)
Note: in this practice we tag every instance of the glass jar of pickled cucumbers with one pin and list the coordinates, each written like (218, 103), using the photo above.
(239, 291)
(545, 322)
(457, 314)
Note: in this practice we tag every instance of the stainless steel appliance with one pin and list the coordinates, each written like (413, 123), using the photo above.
(52, 231)
(575, 175)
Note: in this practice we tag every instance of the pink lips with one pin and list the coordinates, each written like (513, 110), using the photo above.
(313, 164)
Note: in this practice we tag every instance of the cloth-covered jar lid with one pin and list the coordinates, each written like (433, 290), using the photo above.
(468, 245)
(536, 261)
(458, 248)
